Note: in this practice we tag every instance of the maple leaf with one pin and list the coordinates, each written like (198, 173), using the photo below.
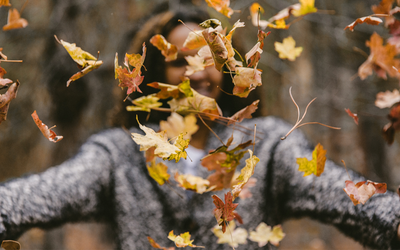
(385, 7)
(306, 7)
(5, 100)
(363, 190)
(237, 236)
(264, 234)
(5, 3)
(145, 103)
(182, 240)
(316, 165)
(181, 144)
(367, 19)
(10, 245)
(194, 183)
(394, 124)
(154, 244)
(168, 50)
(222, 6)
(245, 174)
(387, 99)
(352, 115)
(47, 132)
(86, 61)
(158, 140)
(287, 49)
(194, 40)
(176, 124)
(246, 80)
(224, 212)
(14, 20)
(244, 113)
(381, 59)
(158, 172)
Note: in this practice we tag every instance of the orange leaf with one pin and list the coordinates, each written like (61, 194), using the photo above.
(367, 19)
(48, 133)
(5, 3)
(316, 165)
(244, 113)
(154, 244)
(246, 80)
(5, 100)
(224, 212)
(222, 6)
(362, 191)
(167, 49)
(14, 20)
(194, 40)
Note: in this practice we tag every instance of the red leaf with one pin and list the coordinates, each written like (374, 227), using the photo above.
(48, 133)
(224, 212)
(352, 115)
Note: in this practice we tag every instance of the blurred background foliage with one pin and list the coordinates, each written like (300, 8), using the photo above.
(326, 69)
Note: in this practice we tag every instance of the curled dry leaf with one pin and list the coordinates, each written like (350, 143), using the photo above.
(14, 20)
(10, 245)
(154, 244)
(367, 19)
(244, 113)
(6, 98)
(194, 40)
(246, 80)
(47, 132)
(237, 236)
(3, 81)
(316, 165)
(387, 99)
(182, 240)
(168, 50)
(193, 183)
(287, 49)
(264, 234)
(362, 191)
(254, 55)
(222, 6)
(352, 115)
(245, 174)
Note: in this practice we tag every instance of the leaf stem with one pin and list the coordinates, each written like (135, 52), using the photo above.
(212, 131)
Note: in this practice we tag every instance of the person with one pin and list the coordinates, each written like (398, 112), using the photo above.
(107, 180)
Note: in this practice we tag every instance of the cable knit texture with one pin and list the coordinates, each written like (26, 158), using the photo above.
(108, 181)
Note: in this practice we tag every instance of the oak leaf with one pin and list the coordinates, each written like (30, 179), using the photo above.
(6, 98)
(387, 99)
(182, 240)
(224, 212)
(362, 191)
(222, 6)
(316, 165)
(47, 132)
(10, 245)
(287, 49)
(168, 50)
(367, 19)
(264, 234)
(245, 174)
(158, 172)
(177, 124)
(14, 20)
(237, 236)
(352, 115)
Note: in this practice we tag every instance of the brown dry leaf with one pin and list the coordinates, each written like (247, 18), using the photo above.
(264, 234)
(46, 131)
(394, 124)
(387, 99)
(246, 80)
(352, 115)
(14, 20)
(10, 245)
(6, 98)
(362, 191)
(381, 59)
(168, 50)
(224, 212)
(254, 55)
(367, 19)
(196, 63)
(384, 7)
(154, 244)
(3, 81)
(244, 113)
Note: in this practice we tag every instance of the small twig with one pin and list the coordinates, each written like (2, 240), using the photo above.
(254, 138)
(18, 61)
(362, 52)
(297, 125)
(211, 130)
(344, 163)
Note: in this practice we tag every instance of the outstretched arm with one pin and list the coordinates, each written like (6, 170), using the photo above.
(374, 224)
(73, 191)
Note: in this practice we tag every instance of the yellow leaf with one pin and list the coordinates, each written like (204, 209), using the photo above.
(181, 144)
(194, 183)
(238, 236)
(287, 49)
(145, 103)
(245, 174)
(316, 165)
(182, 240)
(307, 7)
(222, 6)
(264, 234)
(177, 124)
(158, 172)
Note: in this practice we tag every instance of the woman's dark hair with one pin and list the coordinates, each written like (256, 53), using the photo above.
(162, 21)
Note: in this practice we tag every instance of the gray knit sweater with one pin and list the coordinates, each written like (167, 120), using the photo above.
(108, 180)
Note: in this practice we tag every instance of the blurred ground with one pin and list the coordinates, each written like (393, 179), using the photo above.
(326, 70)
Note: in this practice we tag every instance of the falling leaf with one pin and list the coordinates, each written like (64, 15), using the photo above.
(254, 55)
(154, 244)
(237, 236)
(5, 100)
(362, 191)
(316, 165)
(210, 23)
(287, 49)
(47, 132)
(145, 103)
(381, 59)
(168, 50)
(306, 7)
(196, 63)
(238, 24)
(387, 99)
(224, 212)
(245, 174)
(385, 7)
(367, 19)
(244, 113)
(264, 234)
(255, 20)
(182, 240)
(3, 81)
(10, 245)
(14, 20)
(177, 124)
(394, 124)
(352, 115)
(194, 40)
(182, 144)
(86, 61)
(222, 6)
(246, 80)
(5, 3)
(158, 172)
(193, 183)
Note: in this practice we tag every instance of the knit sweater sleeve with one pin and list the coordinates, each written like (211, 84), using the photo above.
(373, 224)
(76, 190)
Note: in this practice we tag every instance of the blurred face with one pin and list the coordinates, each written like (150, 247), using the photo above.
(205, 82)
